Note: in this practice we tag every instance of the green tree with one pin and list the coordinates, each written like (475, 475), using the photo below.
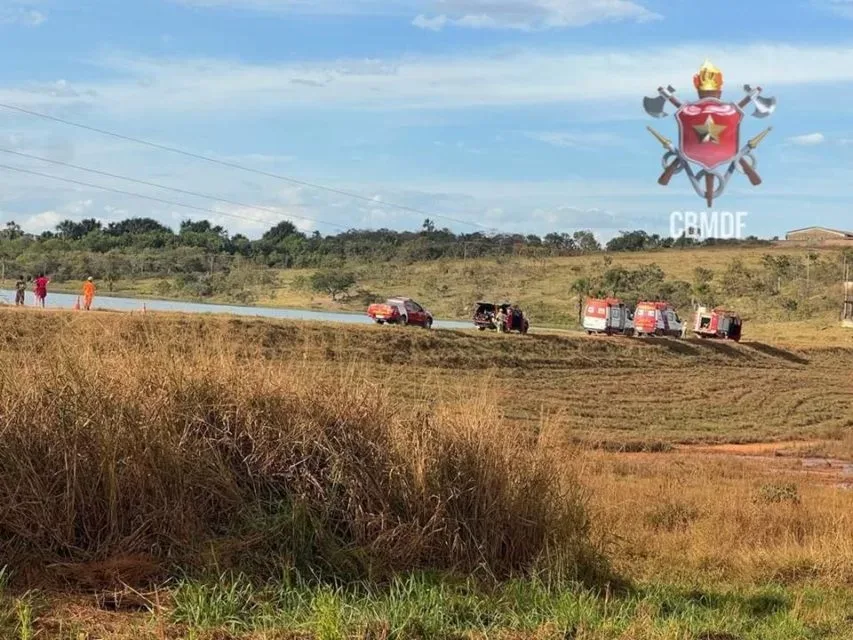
(630, 241)
(582, 288)
(12, 231)
(779, 268)
(585, 241)
(702, 288)
(333, 282)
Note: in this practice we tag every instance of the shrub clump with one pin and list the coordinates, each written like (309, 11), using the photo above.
(198, 457)
(777, 492)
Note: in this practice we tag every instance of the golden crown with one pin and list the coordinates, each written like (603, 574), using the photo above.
(709, 78)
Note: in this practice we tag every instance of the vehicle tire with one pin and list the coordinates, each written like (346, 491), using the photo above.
(588, 332)
(428, 323)
(403, 321)
(380, 322)
(481, 328)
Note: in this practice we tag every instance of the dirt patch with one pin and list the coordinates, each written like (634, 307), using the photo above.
(819, 469)
(789, 448)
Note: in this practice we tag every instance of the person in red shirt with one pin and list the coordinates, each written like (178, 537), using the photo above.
(41, 289)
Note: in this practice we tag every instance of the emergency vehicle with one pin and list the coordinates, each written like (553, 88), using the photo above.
(657, 319)
(607, 315)
(717, 323)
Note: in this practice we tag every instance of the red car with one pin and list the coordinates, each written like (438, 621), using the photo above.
(400, 311)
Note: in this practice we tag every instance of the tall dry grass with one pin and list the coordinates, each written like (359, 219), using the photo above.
(722, 519)
(119, 437)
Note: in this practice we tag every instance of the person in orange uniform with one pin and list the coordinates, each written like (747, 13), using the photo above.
(88, 293)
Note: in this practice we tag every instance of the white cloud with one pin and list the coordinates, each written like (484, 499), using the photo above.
(525, 15)
(436, 23)
(843, 8)
(16, 14)
(808, 140)
(576, 140)
(47, 220)
(39, 222)
(198, 85)
(304, 7)
(253, 223)
(531, 15)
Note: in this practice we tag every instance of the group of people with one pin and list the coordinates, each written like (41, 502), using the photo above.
(40, 291)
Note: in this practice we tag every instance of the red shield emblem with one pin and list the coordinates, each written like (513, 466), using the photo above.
(709, 131)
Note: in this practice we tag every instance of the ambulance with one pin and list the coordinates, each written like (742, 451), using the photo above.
(657, 319)
(607, 315)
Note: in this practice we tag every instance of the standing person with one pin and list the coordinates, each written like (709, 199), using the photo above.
(41, 289)
(88, 293)
(20, 288)
(500, 320)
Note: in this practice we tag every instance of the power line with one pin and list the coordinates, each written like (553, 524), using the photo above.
(131, 193)
(234, 165)
(186, 192)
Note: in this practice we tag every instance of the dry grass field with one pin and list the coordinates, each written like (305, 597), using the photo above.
(169, 476)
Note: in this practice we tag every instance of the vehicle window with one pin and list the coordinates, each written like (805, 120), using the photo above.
(416, 307)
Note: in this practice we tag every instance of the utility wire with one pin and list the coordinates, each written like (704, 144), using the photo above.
(167, 188)
(234, 165)
(131, 193)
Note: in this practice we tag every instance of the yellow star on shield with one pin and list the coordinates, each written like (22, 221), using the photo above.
(710, 131)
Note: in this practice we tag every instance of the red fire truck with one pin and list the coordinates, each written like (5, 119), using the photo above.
(717, 323)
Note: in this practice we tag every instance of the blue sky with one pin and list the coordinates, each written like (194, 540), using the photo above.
(517, 115)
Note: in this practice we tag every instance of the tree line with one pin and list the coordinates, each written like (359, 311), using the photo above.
(145, 247)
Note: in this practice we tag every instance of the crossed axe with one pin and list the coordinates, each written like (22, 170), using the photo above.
(763, 106)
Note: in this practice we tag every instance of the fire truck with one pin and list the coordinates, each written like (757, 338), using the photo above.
(717, 323)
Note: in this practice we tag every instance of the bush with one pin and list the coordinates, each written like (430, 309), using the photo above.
(672, 516)
(158, 438)
(776, 492)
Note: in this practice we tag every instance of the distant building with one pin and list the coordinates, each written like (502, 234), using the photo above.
(819, 236)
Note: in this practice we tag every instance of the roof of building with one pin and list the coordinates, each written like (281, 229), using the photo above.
(846, 234)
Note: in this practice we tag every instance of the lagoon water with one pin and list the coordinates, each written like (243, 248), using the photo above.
(66, 301)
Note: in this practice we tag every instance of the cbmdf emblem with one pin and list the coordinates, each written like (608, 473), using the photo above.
(709, 146)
